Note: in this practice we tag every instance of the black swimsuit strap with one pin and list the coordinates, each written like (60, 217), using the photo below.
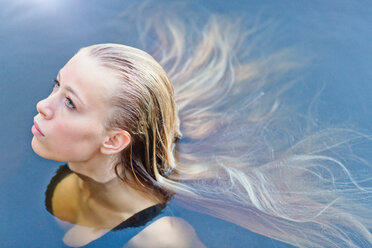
(141, 218)
(136, 220)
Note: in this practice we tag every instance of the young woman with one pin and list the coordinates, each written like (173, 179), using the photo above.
(111, 115)
(115, 118)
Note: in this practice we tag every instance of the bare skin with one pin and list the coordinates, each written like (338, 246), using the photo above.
(91, 218)
(93, 199)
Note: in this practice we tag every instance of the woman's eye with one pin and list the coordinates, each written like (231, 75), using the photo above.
(69, 103)
(55, 84)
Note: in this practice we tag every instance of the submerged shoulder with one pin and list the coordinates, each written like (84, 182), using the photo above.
(65, 199)
(167, 232)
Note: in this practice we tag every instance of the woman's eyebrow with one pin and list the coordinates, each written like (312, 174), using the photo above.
(69, 89)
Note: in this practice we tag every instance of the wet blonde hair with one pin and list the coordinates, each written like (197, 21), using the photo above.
(144, 106)
(243, 156)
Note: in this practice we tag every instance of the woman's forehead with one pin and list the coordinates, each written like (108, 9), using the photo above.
(87, 78)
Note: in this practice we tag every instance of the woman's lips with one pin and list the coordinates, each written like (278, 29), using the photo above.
(36, 130)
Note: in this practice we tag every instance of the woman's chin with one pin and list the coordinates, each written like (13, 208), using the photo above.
(34, 145)
(38, 149)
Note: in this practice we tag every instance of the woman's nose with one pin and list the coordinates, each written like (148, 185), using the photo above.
(44, 109)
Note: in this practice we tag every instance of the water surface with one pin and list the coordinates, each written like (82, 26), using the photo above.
(38, 37)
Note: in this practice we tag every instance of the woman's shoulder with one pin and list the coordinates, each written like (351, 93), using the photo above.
(62, 195)
(168, 231)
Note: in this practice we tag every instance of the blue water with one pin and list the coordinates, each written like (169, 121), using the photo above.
(39, 36)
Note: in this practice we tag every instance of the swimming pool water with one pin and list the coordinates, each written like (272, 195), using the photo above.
(38, 37)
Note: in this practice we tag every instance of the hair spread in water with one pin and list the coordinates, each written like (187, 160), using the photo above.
(213, 129)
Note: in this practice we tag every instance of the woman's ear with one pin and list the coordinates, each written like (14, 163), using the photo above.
(115, 141)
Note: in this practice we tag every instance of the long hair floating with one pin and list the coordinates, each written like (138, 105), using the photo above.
(245, 155)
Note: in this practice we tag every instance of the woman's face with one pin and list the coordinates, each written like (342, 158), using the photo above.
(70, 119)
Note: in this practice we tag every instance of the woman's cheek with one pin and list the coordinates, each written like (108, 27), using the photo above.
(71, 140)
(70, 129)
(79, 134)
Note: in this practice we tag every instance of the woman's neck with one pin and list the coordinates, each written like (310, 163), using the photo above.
(103, 192)
(115, 195)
